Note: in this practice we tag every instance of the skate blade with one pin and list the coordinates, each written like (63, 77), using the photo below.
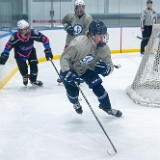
(35, 85)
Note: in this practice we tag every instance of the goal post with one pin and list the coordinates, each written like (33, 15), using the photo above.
(145, 88)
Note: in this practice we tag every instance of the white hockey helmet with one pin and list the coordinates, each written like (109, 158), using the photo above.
(22, 24)
(79, 3)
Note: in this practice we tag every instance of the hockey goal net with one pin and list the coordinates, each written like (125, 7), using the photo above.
(145, 89)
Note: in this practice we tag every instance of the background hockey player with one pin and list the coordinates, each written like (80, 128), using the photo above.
(23, 44)
(76, 23)
(88, 62)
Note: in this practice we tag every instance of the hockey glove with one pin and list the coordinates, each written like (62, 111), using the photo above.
(102, 68)
(48, 54)
(87, 60)
(70, 30)
(3, 58)
(70, 77)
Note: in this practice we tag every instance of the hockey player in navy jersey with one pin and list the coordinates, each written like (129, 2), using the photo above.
(24, 51)
(87, 57)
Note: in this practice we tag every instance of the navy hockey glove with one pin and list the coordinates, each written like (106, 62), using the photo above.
(70, 30)
(70, 77)
(102, 68)
(87, 60)
(4, 57)
(48, 54)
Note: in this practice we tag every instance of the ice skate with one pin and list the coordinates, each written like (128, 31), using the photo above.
(37, 83)
(25, 80)
(78, 107)
(112, 112)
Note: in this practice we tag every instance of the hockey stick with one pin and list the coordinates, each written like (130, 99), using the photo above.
(145, 38)
(141, 38)
(55, 68)
(112, 150)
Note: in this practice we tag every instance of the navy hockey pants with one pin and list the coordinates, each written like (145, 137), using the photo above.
(94, 82)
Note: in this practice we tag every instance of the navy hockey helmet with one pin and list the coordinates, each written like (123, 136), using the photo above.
(97, 27)
(149, 1)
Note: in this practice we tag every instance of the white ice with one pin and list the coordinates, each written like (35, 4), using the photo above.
(39, 123)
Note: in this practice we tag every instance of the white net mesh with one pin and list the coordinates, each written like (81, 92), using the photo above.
(145, 88)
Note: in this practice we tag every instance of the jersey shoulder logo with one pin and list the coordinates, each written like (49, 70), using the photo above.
(36, 32)
(78, 28)
(12, 38)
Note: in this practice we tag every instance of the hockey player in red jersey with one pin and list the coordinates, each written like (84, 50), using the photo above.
(23, 44)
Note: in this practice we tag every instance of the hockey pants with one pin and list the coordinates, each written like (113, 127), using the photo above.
(23, 68)
(94, 82)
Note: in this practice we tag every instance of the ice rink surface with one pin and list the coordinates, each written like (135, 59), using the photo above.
(39, 123)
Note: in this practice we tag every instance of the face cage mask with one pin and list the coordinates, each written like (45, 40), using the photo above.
(79, 13)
